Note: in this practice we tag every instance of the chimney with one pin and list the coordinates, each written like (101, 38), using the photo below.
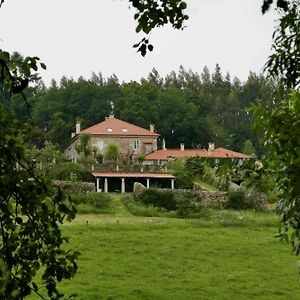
(111, 116)
(164, 144)
(182, 147)
(211, 147)
(152, 127)
(72, 134)
(77, 128)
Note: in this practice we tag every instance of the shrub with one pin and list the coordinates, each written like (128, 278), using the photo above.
(69, 171)
(236, 200)
(140, 209)
(184, 181)
(251, 199)
(158, 198)
(195, 164)
(98, 200)
(184, 177)
(112, 152)
(186, 208)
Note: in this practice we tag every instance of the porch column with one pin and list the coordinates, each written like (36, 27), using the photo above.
(123, 186)
(97, 185)
(148, 183)
(105, 185)
(172, 184)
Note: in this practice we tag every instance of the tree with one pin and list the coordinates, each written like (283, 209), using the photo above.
(141, 158)
(83, 146)
(281, 127)
(280, 122)
(284, 63)
(30, 209)
(248, 148)
(156, 13)
(112, 152)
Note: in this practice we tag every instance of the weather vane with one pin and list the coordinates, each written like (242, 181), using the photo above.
(112, 106)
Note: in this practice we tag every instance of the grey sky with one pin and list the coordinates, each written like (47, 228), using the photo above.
(75, 37)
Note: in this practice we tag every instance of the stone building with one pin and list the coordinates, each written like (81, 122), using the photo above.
(131, 139)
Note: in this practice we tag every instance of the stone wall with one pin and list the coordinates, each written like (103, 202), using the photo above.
(76, 187)
(203, 198)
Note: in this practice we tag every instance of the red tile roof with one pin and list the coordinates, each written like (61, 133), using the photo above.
(225, 153)
(116, 127)
(177, 153)
(132, 175)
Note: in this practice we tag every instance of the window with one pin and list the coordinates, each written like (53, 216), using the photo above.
(100, 145)
(109, 129)
(136, 145)
(124, 129)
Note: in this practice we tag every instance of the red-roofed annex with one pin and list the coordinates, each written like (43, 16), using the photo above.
(162, 156)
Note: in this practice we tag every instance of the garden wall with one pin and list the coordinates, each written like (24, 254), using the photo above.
(72, 186)
(203, 198)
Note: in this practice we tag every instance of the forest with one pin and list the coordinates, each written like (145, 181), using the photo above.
(186, 107)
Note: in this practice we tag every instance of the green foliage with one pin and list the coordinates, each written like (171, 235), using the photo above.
(284, 63)
(68, 171)
(83, 145)
(31, 211)
(138, 208)
(183, 181)
(281, 127)
(184, 177)
(195, 165)
(99, 158)
(156, 13)
(141, 158)
(112, 152)
(248, 148)
(237, 200)
(186, 208)
(50, 153)
(158, 198)
(102, 202)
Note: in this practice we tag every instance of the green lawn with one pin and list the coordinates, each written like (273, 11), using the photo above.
(232, 255)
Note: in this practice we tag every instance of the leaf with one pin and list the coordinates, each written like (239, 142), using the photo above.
(43, 66)
(150, 47)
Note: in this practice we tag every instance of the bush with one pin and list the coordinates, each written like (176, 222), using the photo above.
(195, 164)
(97, 200)
(186, 208)
(184, 177)
(140, 209)
(184, 181)
(236, 199)
(158, 198)
(69, 171)
(241, 199)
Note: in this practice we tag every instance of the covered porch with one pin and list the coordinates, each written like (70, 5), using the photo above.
(123, 182)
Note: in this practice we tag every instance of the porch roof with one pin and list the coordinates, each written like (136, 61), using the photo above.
(132, 175)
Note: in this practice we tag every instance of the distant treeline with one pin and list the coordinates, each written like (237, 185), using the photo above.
(186, 107)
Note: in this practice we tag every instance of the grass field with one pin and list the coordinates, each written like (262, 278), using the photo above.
(231, 255)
